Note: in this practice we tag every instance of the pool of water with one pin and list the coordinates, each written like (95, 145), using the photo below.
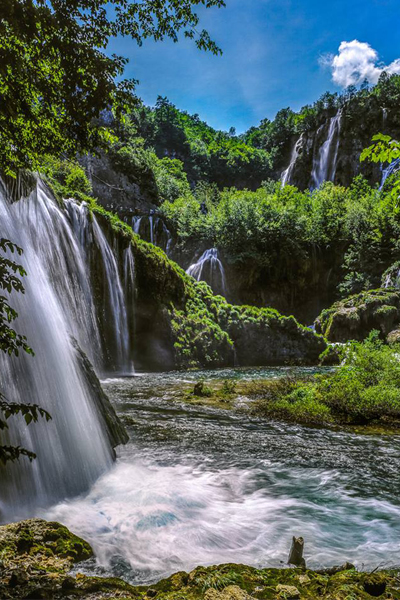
(197, 485)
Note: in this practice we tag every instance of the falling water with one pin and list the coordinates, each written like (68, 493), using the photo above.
(72, 449)
(153, 229)
(392, 168)
(324, 163)
(209, 268)
(287, 174)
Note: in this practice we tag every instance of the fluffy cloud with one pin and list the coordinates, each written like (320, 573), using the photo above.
(355, 62)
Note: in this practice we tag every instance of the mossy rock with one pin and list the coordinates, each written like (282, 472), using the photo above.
(356, 316)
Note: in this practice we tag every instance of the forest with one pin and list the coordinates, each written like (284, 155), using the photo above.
(199, 328)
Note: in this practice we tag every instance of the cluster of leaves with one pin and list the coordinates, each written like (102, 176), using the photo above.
(56, 78)
(11, 343)
(364, 389)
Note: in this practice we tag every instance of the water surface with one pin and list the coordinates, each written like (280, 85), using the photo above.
(197, 485)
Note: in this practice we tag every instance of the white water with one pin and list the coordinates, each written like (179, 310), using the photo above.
(153, 229)
(324, 162)
(209, 268)
(72, 450)
(287, 174)
(201, 486)
(392, 168)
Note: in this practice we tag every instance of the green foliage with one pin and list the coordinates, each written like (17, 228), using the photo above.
(56, 78)
(66, 177)
(364, 389)
(207, 154)
(10, 343)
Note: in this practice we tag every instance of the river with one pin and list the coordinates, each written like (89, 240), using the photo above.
(197, 485)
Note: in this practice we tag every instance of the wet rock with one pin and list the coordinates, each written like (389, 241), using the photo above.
(288, 592)
(69, 583)
(296, 553)
(375, 585)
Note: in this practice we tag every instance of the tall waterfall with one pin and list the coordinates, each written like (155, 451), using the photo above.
(324, 162)
(72, 449)
(209, 268)
(287, 173)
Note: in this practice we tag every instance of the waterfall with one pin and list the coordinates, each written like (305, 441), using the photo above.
(287, 173)
(324, 162)
(209, 268)
(392, 168)
(153, 229)
(59, 302)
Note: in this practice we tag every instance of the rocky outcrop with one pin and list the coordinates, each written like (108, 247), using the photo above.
(355, 317)
(115, 430)
(36, 557)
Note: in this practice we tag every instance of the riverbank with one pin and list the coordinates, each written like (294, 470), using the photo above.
(361, 394)
(37, 557)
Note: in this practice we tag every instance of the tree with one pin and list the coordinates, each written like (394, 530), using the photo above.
(55, 75)
(11, 343)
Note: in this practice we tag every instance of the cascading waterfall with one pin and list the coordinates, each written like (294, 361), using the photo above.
(324, 162)
(153, 229)
(287, 173)
(72, 449)
(209, 268)
(392, 168)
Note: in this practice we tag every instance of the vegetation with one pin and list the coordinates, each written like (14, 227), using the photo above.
(363, 390)
(11, 343)
(282, 230)
(56, 78)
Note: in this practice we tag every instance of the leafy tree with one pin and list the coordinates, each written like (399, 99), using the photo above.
(11, 343)
(55, 75)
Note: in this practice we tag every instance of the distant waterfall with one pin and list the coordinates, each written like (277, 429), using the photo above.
(209, 268)
(324, 162)
(392, 168)
(287, 173)
(72, 449)
(153, 229)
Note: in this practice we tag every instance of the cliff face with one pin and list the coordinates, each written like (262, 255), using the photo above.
(331, 150)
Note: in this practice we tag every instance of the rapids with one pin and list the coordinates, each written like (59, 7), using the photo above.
(197, 485)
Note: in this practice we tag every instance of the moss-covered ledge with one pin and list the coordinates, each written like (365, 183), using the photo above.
(180, 323)
(36, 557)
(356, 316)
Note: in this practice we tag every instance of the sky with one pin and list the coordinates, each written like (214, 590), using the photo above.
(276, 53)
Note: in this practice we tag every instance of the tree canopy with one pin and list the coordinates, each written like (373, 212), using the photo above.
(56, 77)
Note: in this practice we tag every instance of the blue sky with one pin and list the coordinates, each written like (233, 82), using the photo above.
(272, 52)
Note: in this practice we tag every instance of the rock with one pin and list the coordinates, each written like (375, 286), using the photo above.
(18, 577)
(69, 583)
(232, 592)
(303, 579)
(151, 593)
(393, 337)
(296, 553)
(375, 585)
(356, 316)
(288, 592)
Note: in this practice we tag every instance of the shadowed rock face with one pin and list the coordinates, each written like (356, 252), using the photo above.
(115, 430)
(355, 317)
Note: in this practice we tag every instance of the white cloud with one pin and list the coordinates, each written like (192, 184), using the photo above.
(355, 62)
